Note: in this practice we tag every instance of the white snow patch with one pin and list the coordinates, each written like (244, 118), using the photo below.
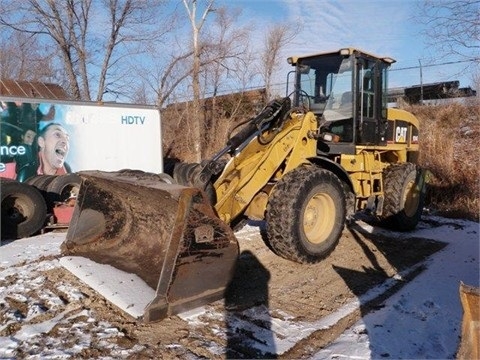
(17, 251)
(127, 291)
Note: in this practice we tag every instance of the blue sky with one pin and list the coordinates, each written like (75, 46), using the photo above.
(382, 27)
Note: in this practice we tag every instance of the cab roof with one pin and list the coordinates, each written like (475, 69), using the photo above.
(343, 51)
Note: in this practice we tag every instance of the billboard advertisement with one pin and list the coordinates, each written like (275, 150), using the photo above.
(39, 137)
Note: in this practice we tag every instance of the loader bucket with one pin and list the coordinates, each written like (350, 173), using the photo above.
(166, 234)
(470, 341)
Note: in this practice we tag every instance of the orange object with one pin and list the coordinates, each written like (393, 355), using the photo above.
(63, 213)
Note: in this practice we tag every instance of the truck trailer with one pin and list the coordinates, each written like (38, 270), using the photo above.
(41, 139)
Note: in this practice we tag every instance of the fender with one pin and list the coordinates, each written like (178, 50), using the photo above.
(334, 167)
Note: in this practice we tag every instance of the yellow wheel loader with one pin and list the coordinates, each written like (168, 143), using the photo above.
(304, 164)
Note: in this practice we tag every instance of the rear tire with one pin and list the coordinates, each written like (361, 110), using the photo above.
(403, 203)
(306, 214)
(41, 181)
(167, 179)
(23, 210)
(187, 174)
(62, 187)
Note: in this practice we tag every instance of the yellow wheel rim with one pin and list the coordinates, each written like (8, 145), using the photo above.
(319, 218)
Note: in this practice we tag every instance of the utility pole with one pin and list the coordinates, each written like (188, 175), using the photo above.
(421, 83)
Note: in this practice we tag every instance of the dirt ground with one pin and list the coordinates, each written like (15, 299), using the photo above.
(263, 282)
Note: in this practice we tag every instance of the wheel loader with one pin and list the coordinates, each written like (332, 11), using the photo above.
(304, 164)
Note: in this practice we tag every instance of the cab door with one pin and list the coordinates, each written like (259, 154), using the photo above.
(371, 106)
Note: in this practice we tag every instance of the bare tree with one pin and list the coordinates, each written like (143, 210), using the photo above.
(85, 34)
(221, 57)
(197, 24)
(276, 37)
(176, 71)
(226, 62)
(225, 47)
(453, 27)
(21, 58)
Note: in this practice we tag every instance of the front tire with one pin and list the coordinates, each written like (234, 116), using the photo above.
(306, 214)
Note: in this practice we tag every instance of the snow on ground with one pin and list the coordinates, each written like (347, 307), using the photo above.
(426, 313)
(30, 249)
(26, 260)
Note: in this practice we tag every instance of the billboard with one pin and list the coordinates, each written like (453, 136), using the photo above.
(39, 137)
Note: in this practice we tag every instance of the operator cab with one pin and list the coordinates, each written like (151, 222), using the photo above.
(346, 90)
